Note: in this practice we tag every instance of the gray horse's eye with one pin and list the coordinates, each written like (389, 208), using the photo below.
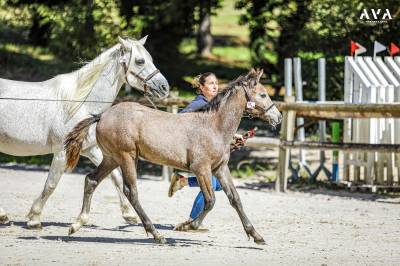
(263, 95)
(139, 61)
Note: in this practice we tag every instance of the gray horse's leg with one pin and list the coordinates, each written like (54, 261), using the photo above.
(57, 168)
(225, 180)
(92, 180)
(128, 168)
(3, 216)
(95, 155)
(204, 179)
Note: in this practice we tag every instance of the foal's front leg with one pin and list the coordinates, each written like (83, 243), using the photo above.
(225, 179)
(203, 175)
(129, 174)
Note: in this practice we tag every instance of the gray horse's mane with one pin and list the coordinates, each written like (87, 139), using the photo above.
(231, 89)
(82, 81)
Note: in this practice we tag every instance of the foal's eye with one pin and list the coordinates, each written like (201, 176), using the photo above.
(139, 61)
(263, 95)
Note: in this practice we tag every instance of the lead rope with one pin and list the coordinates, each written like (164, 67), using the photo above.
(148, 99)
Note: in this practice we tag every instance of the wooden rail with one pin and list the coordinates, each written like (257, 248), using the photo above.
(335, 110)
(324, 110)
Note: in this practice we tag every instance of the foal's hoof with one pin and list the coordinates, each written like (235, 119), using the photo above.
(161, 240)
(73, 229)
(260, 241)
(4, 219)
(131, 219)
(182, 227)
(34, 225)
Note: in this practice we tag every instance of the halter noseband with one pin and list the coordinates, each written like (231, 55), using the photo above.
(144, 80)
(136, 75)
(252, 105)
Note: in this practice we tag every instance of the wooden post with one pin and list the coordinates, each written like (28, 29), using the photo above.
(347, 123)
(287, 132)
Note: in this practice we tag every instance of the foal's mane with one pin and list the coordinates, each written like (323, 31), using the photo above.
(231, 89)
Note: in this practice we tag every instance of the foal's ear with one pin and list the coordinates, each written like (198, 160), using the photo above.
(260, 72)
(124, 43)
(252, 73)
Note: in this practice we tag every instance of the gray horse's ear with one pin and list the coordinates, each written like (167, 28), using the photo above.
(123, 42)
(143, 40)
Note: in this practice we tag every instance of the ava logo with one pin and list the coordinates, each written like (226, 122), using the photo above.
(375, 15)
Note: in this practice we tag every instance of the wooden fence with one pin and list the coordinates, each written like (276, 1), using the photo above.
(325, 111)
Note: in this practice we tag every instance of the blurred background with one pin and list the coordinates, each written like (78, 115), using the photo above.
(40, 39)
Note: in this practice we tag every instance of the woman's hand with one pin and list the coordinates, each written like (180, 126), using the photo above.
(238, 142)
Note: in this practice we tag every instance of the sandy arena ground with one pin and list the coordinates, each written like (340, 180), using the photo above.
(319, 228)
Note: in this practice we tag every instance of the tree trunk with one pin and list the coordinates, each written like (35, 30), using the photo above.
(204, 37)
(39, 33)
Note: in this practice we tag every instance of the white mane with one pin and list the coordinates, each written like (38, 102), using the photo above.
(81, 82)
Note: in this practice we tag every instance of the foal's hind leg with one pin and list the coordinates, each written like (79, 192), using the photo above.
(225, 179)
(92, 180)
(95, 155)
(128, 168)
(57, 168)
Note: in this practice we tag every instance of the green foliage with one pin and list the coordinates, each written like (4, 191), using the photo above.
(311, 29)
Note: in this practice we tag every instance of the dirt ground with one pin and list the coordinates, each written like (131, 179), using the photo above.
(315, 228)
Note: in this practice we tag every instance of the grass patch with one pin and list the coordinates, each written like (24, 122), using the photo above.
(239, 55)
(226, 22)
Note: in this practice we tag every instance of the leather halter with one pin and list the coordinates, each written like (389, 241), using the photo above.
(251, 104)
(144, 80)
(136, 75)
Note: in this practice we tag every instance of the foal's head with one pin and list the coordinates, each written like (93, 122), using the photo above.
(259, 104)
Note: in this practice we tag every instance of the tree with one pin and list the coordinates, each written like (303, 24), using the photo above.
(204, 38)
(311, 29)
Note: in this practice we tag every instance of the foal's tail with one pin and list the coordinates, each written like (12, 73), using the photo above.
(74, 140)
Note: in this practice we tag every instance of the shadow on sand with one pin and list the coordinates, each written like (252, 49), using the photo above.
(319, 188)
(121, 228)
(114, 240)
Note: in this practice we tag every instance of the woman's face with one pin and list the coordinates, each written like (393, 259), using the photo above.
(210, 87)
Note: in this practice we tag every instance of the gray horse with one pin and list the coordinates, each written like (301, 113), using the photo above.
(53, 107)
(198, 142)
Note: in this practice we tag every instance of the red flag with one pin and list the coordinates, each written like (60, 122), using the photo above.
(393, 49)
(356, 48)
(353, 47)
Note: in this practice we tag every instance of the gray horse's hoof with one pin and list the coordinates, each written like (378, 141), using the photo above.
(260, 241)
(34, 225)
(4, 219)
(131, 219)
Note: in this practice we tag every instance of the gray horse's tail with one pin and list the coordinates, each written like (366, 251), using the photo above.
(74, 140)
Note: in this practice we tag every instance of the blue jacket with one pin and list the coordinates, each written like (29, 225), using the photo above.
(198, 102)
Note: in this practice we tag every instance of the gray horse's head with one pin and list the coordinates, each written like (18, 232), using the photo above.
(140, 71)
(259, 103)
